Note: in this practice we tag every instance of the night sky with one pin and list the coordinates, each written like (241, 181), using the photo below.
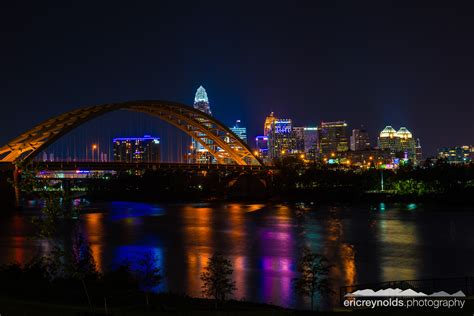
(374, 64)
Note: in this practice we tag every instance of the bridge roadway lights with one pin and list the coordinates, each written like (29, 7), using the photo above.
(121, 166)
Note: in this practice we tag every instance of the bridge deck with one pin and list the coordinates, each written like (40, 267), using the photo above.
(120, 166)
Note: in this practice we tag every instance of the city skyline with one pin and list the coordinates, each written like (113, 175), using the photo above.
(401, 72)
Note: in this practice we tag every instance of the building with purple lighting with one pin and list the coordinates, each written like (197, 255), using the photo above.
(137, 149)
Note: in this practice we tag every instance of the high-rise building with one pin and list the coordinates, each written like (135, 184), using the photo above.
(261, 142)
(137, 149)
(281, 139)
(360, 140)
(240, 131)
(332, 137)
(200, 154)
(269, 120)
(306, 140)
(298, 133)
(388, 139)
(400, 143)
(201, 102)
(418, 151)
(456, 155)
(310, 138)
(407, 143)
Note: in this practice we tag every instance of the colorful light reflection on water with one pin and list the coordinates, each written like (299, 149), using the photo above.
(366, 244)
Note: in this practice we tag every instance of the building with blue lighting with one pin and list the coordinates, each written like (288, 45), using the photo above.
(261, 142)
(281, 139)
(240, 131)
(137, 149)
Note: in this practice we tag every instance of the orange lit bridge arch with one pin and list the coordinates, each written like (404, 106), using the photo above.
(219, 140)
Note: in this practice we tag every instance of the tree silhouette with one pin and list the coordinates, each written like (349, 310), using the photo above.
(148, 274)
(217, 278)
(313, 269)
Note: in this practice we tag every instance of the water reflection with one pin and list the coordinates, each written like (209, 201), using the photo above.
(94, 229)
(365, 244)
(399, 246)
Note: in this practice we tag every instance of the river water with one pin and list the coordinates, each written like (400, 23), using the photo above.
(370, 243)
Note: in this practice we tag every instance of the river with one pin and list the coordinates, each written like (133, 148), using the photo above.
(365, 244)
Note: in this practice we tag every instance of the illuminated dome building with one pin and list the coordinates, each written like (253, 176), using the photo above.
(401, 143)
(388, 140)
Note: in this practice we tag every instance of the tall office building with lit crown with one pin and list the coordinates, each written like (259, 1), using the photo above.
(199, 154)
(137, 149)
(332, 137)
(201, 102)
(281, 138)
(400, 143)
(269, 120)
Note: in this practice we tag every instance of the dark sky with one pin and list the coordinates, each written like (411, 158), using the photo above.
(374, 64)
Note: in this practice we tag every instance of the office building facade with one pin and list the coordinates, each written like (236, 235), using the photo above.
(137, 149)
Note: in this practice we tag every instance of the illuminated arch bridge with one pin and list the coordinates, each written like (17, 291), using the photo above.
(219, 140)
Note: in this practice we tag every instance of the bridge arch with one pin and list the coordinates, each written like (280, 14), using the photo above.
(218, 139)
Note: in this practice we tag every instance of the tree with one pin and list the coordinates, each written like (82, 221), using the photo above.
(148, 274)
(313, 269)
(217, 278)
(70, 255)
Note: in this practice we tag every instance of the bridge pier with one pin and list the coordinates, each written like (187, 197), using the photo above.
(16, 186)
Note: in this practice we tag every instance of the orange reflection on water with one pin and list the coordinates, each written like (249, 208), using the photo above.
(18, 241)
(348, 263)
(196, 263)
(255, 207)
(198, 221)
(197, 233)
(239, 276)
(343, 253)
(94, 226)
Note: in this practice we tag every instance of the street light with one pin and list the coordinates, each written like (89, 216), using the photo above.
(94, 147)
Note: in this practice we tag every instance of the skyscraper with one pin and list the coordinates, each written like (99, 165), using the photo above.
(201, 102)
(388, 139)
(240, 131)
(262, 146)
(199, 154)
(310, 138)
(281, 139)
(400, 143)
(360, 140)
(269, 120)
(298, 133)
(418, 151)
(407, 143)
(332, 137)
(137, 149)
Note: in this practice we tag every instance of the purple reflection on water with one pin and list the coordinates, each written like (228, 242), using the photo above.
(278, 263)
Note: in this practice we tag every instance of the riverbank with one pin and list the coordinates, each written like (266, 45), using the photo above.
(176, 305)
(161, 304)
